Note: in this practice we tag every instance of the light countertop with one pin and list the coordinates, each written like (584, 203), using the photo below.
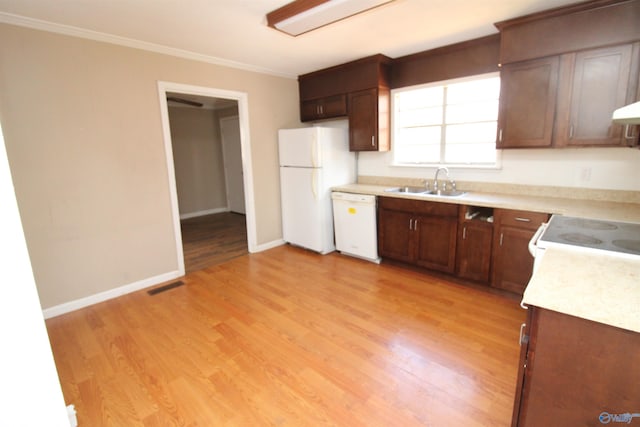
(603, 288)
(596, 286)
(595, 209)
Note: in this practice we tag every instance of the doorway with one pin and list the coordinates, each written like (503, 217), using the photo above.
(220, 222)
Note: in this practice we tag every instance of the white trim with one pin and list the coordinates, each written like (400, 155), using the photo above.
(204, 212)
(269, 245)
(70, 306)
(67, 307)
(245, 147)
(69, 30)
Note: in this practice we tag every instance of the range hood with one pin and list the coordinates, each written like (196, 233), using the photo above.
(628, 115)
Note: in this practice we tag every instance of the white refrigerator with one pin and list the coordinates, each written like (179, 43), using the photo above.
(312, 160)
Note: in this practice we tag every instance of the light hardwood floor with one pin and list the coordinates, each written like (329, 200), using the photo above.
(290, 338)
(213, 239)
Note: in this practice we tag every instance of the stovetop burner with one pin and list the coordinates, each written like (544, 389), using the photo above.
(581, 239)
(623, 237)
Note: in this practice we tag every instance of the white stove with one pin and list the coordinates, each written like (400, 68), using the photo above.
(614, 237)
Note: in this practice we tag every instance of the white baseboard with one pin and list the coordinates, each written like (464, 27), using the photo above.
(203, 213)
(266, 246)
(70, 306)
(107, 295)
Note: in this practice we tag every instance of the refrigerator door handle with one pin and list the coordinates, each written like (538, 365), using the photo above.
(314, 183)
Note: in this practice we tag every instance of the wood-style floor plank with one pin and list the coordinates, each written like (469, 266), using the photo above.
(213, 239)
(287, 337)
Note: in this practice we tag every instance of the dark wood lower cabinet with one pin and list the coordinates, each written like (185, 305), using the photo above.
(444, 237)
(395, 234)
(418, 232)
(473, 256)
(436, 243)
(576, 372)
(512, 264)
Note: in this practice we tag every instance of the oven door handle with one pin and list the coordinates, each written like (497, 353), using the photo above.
(533, 243)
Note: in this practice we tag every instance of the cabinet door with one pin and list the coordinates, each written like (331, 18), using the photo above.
(474, 251)
(395, 235)
(512, 262)
(579, 373)
(323, 108)
(593, 84)
(436, 243)
(527, 103)
(363, 120)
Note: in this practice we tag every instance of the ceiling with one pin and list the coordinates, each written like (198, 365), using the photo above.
(234, 32)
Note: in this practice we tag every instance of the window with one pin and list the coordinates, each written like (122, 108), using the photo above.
(452, 122)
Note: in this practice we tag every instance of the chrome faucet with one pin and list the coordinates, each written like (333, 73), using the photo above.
(435, 181)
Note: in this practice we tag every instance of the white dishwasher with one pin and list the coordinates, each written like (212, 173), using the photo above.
(354, 219)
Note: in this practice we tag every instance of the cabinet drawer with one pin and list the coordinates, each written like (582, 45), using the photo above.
(522, 219)
(418, 206)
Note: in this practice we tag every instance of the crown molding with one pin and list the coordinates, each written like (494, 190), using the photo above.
(69, 30)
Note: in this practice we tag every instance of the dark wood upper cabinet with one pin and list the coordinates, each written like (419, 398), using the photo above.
(323, 108)
(565, 71)
(567, 100)
(573, 28)
(594, 84)
(358, 90)
(528, 103)
(369, 120)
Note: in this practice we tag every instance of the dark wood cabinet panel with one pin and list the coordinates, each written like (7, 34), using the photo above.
(572, 28)
(573, 370)
(436, 243)
(395, 231)
(418, 232)
(323, 108)
(369, 120)
(473, 256)
(512, 264)
(365, 73)
(594, 83)
(527, 103)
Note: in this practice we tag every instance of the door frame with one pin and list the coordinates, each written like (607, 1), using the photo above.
(245, 148)
(225, 149)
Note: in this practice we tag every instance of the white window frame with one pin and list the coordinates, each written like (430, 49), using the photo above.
(395, 163)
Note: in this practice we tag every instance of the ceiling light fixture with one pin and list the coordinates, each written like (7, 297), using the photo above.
(301, 16)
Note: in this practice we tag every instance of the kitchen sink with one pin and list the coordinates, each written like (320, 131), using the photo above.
(422, 190)
(407, 189)
(446, 193)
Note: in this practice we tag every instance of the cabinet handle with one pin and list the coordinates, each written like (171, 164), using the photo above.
(519, 218)
(571, 132)
(373, 140)
(501, 237)
(464, 233)
(410, 224)
(500, 135)
(523, 338)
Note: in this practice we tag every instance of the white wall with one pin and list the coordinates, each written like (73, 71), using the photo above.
(30, 393)
(593, 168)
(83, 132)
(198, 161)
